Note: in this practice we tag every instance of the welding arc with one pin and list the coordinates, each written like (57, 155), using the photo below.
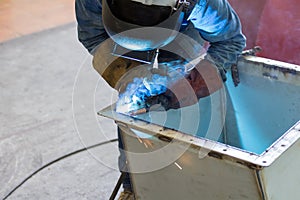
(55, 161)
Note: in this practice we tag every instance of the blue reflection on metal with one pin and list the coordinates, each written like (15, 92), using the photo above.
(264, 110)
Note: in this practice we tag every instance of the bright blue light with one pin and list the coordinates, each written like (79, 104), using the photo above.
(151, 84)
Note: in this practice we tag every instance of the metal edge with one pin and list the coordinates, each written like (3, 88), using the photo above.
(214, 148)
(260, 184)
(271, 69)
(281, 145)
(294, 68)
(228, 152)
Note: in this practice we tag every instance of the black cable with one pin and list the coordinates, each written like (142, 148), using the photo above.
(56, 160)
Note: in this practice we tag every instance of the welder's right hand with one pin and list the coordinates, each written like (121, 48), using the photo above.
(203, 80)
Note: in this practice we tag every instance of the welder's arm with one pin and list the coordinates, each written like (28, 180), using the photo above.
(218, 23)
(203, 80)
(90, 28)
(92, 35)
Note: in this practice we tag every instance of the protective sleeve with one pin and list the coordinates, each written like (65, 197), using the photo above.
(218, 23)
(90, 28)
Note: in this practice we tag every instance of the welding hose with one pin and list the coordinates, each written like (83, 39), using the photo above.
(59, 159)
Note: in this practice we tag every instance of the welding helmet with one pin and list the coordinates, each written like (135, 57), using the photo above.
(142, 25)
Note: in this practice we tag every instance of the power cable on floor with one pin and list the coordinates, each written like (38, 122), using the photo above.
(55, 161)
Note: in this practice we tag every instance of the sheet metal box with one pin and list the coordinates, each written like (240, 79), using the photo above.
(257, 164)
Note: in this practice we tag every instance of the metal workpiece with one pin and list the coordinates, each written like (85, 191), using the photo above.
(216, 149)
(204, 165)
(273, 69)
(256, 157)
(280, 180)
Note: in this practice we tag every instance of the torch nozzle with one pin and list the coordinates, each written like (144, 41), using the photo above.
(155, 62)
(155, 67)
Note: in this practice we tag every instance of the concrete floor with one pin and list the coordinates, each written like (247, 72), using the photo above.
(23, 17)
(49, 98)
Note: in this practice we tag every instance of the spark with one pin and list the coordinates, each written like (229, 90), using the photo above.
(178, 165)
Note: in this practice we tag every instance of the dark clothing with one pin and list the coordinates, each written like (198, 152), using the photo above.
(215, 21)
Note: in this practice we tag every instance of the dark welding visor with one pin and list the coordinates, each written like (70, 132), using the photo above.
(140, 27)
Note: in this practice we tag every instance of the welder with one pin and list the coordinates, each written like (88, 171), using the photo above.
(204, 20)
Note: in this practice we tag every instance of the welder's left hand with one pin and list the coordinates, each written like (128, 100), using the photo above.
(203, 80)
